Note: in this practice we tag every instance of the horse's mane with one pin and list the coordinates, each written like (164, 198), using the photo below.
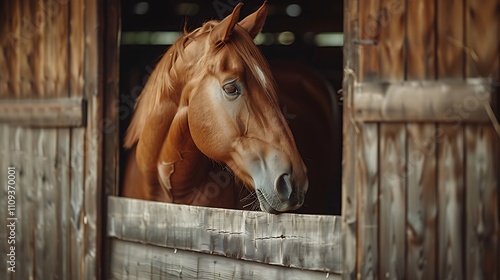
(160, 84)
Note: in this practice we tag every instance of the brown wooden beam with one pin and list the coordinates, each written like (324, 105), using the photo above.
(450, 101)
(53, 112)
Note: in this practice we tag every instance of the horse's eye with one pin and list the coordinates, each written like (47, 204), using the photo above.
(231, 90)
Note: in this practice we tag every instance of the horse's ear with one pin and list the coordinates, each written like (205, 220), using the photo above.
(254, 22)
(223, 30)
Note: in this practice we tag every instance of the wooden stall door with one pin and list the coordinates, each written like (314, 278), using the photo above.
(52, 135)
(421, 154)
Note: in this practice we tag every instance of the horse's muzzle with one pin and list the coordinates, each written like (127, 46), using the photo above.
(285, 197)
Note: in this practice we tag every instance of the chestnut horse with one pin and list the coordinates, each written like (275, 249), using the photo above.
(211, 102)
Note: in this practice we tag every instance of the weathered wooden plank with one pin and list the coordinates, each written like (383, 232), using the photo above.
(421, 40)
(4, 163)
(76, 47)
(481, 202)
(50, 59)
(422, 213)
(25, 50)
(61, 112)
(423, 101)
(450, 201)
(37, 41)
(76, 212)
(349, 199)
(93, 143)
(62, 206)
(110, 123)
(11, 48)
(392, 201)
(110, 119)
(141, 261)
(39, 203)
(17, 140)
(61, 24)
(482, 27)
(392, 21)
(367, 188)
(450, 39)
(51, 197)
(450, 138)
(4, 40)
(304, 241)
(78, 147)
(28, 188)
(370, 20)
(422, 205)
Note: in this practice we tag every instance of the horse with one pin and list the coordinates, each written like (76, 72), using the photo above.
(211, 105)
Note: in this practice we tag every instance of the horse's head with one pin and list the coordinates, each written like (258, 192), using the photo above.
(234, 115)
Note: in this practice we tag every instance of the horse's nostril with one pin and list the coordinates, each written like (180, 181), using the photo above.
(283, 187)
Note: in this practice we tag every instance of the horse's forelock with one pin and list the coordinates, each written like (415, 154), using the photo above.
(242, 45)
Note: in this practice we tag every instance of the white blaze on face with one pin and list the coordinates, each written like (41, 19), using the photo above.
(262, 77)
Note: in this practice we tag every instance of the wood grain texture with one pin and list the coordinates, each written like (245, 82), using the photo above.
(39, 203)
(5, 153)
(311, 242)
(76, 211)
(51, 47)
(56, 112)
(422, 209)
(142, 261)
(370, 21)
(4, 40)
(423, 101)
(349, 209)
(450, 201)
(392, 40)
(11, 47)
(61, 22)
(481, 202)
(38, 41)
(30, 164)
(63, 183)
(48, 205)
(367, 188)
(392, 201)
(110, 123)
(450, 39)
(26, 50)
(421, 40)
(93, 142)
(19, 139)
(78, 142)
(76, 46)
(482, 27)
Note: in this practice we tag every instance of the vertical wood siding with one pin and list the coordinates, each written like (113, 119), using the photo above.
(51, 49)
(434, 183)
(368, 190)
(422, 202)
(349, 170)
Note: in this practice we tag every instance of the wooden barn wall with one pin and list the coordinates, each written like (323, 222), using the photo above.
(422, 144)
(51, 132)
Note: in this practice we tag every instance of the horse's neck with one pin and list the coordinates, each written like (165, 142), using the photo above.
(186, 175)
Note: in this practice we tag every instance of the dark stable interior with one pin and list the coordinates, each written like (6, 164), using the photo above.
(300, 35)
